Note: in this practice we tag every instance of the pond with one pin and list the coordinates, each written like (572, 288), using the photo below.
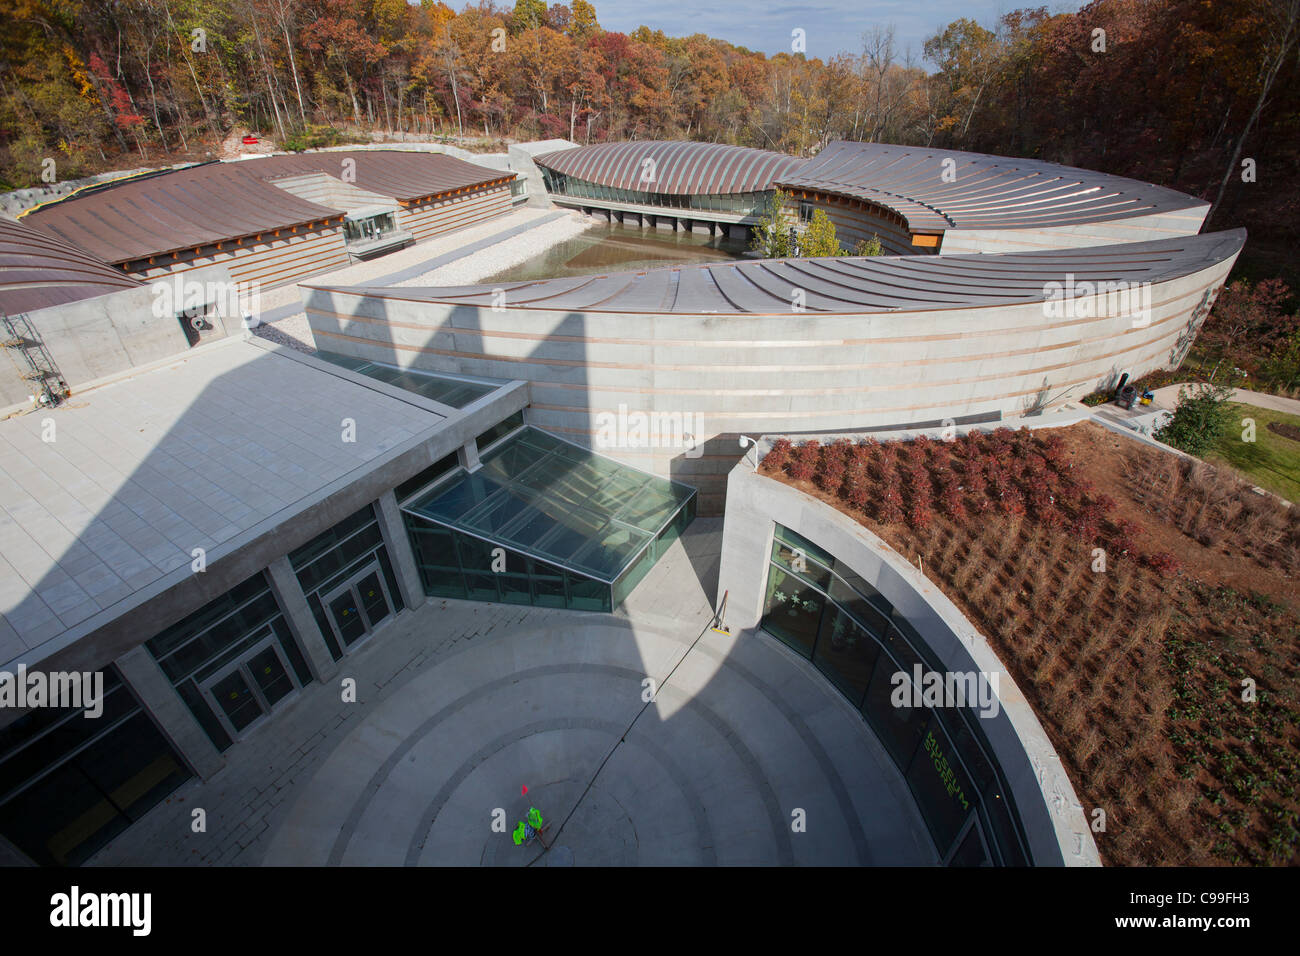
(610, 247)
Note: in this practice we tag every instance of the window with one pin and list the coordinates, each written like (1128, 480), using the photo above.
(214, 637)
(500, 430)
(369, 229)
(68, 785)
(861, 643)
(805, 210)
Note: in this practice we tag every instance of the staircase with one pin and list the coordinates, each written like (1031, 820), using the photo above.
(36, 366)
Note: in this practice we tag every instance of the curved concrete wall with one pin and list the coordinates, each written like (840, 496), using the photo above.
(725, 375)
(1053, 819)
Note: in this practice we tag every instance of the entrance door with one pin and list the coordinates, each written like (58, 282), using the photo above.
(235, 700)
(244, 690)
(360, 605)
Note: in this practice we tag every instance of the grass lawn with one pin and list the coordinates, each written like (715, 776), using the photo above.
(1271, 460)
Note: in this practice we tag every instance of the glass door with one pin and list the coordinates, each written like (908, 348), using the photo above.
(244, 690)
(360, 605)
(234, 699)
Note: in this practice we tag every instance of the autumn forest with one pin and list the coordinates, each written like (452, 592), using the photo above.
(1201, 96)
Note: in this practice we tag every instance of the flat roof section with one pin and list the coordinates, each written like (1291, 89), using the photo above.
(220, 202)
(941, 189)
(556, 502)
(205, 452)
(851, 285)
(38, 271)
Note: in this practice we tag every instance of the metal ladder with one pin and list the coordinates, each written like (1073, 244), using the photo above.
(19, 336)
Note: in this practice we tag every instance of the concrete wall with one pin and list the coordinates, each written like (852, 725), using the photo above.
(330, 191)
(109, 334)
(1054, 821)
(521, 161)
(754, 374)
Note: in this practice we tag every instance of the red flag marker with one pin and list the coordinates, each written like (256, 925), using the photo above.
(525, 790)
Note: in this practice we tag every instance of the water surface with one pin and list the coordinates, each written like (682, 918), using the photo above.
(611, 247)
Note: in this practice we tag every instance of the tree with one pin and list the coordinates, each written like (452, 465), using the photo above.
(869, 247)
(772, 233)
(1201, 417)
(818, 239)
(582, 22)
(1283, 30)
(528, 15)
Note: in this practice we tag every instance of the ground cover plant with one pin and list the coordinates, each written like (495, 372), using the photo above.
(1145, 603)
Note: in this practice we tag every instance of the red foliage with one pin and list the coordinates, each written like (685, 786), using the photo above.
(779, 454)
(919, 515)
(1163, 562)
(831, 475)
(1124, 540)
(804, 462)
(889, 505)
(1013, 502)
(953, 505)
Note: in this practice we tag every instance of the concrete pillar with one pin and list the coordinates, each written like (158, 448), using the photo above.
(155, 691)
(302, 623)
(398, 544)
(467, 456)
(747, 534)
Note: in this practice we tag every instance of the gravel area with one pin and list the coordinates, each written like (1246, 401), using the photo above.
(295, 332)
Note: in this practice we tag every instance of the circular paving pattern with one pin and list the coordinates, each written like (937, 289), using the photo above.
(738, 736)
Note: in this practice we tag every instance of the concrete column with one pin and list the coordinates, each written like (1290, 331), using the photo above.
(398, 543)
(302, 623)
(155, 691)
(467, 456)
(746, 543)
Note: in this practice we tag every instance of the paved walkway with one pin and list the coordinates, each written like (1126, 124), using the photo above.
(1167, 397)
(286, 301)
(462, 705)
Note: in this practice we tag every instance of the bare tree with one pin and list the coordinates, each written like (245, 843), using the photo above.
(1283, 30)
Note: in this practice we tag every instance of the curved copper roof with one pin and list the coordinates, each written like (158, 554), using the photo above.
(979, 191)
(38, 271)
(220, 202)
(680, 167)
(852, 285)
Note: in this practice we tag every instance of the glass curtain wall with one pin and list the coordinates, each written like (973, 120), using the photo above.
(747, 203)
(859, 641)
(348, 579)
(204, 656)
(544, 522)
(69, 783)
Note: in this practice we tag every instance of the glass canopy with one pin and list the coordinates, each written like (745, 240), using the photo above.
(560, 512)
(440, 388)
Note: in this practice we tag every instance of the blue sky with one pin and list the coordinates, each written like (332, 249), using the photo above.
(832, 26)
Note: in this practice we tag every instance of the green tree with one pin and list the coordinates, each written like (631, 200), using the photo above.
(1282, 369)
(772, 232)
(869, 247)
(819, 240)
(583, 22)
(1200, 418)
(528, 15)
